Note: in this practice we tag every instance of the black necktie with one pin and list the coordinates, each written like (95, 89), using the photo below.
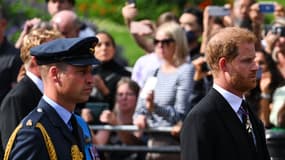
(75, 128)
(246, 120)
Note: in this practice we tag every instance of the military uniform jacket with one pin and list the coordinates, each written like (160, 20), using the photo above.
(29, 143)
(18, 103)
(213, 131)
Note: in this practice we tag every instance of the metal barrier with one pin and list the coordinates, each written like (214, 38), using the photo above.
(135, 148)
(275, 140)
(130, 128)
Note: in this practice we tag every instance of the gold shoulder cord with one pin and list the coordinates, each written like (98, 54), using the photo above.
(11, 141)
(48, 142)
(75, 152)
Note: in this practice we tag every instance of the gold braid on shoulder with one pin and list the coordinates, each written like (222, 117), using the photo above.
(11, 141)
(75, 152)
(48, 142)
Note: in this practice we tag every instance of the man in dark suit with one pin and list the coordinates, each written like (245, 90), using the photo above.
(25, 96)
(220, 127)
(50, 131)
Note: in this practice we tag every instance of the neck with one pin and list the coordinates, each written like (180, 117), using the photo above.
(228, 87)
(67, 104)
(168, 67)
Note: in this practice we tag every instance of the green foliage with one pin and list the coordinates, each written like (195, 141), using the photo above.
(106, 14)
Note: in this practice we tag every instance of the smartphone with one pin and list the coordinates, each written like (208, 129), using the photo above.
(205, 67)
(148, 87)
(140, 28)
(218, 11)
(266, 7)
(278, 30)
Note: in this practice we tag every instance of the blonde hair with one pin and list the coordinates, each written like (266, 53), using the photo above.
(43, 33)
(174, 31)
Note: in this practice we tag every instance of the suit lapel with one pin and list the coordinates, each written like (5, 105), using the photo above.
(232, 122)
(57, 121)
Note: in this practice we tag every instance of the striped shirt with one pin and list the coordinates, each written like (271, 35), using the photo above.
(171, 96)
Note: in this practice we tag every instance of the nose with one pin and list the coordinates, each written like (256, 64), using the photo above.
(90, 79)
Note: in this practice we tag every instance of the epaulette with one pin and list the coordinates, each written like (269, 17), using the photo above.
(31, 120)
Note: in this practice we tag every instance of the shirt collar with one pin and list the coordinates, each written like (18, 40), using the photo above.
(36, 80)
(233, 100)
(61, 111)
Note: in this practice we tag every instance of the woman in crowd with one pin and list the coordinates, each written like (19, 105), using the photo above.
(166, 104)
(108, 73)
(126, 99)
(269, 79)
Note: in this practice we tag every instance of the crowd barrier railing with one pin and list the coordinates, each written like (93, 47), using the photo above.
(275, 140)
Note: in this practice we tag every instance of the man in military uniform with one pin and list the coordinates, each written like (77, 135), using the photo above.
(50, 131)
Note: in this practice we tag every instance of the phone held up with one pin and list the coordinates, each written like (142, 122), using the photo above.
(218, 11)
(278, 30)
(266, 7)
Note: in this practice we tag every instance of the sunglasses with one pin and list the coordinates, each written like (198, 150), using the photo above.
(163, 42)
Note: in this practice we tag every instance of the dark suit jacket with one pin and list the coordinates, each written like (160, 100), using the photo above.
(29, 143)
(213, 131)
(22, 99)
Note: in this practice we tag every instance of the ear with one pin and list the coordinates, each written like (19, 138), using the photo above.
(223, 64)
(53, 71)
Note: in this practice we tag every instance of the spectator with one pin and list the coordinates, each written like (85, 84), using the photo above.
(241, 16)
(129, 12)
(275, 43)
(126, 99)
(167, 103)
(67, 23)
(191, 21)
(54, 6)
(17, 104)
(268, 78)
(9, 59)
(149, 62)
(279, 10)
(277, 112)
(108, 73)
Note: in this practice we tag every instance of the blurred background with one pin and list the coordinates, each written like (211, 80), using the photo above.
(106, 14)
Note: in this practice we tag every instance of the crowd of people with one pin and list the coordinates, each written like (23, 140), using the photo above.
(217, 80)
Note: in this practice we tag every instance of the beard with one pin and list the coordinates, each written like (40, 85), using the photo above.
(241, 83)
